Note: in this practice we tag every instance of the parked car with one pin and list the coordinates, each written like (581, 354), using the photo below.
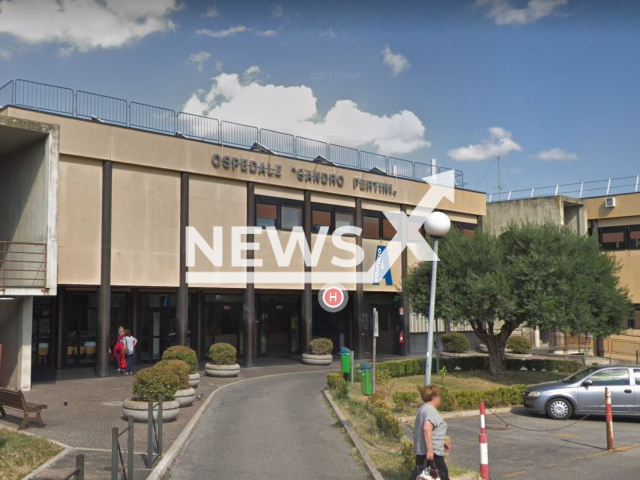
(584, 392)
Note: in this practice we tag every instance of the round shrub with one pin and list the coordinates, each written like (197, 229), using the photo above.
(152, 382)
(519, 345)
(403, 400)
(178, 368)
(186, 354)
(223, 354)
(321, 346)
(338, 384)
(455, 343)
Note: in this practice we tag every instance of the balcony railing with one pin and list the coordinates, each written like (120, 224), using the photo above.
(116, 111)
(22, 265)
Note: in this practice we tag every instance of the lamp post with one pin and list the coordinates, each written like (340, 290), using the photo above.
(436, 226)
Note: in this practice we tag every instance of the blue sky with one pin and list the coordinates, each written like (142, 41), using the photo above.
(552, 79)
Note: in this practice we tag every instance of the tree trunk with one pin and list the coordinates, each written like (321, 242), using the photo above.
(496, 347)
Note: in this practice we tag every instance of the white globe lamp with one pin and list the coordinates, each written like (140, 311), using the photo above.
(437, 225)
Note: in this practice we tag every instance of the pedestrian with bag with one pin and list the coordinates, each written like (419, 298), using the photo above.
(129, 343)
(429, 437)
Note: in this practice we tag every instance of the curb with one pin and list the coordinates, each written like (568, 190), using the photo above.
(168, 458)
(66, 449)
(460, 414)
(371, 468)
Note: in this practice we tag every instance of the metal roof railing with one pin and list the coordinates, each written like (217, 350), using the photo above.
(116, 111)
(592, 188)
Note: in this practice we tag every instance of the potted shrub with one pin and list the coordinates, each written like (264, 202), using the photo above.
(321, 349)
(455, 344)
(519, 346)
(147, 386)
(184, 395)
(188, 356)
(223, 361)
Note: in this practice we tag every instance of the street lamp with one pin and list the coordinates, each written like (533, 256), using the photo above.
(436, 226)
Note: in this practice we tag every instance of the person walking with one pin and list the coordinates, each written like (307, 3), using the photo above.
(429, 433)
(129, 343)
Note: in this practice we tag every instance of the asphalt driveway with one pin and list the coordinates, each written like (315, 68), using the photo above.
(267, 428)
(577, 452)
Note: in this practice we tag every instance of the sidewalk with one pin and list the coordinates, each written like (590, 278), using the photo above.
(93, 408)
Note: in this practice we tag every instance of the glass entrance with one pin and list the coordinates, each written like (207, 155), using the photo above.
(389, 321)
(332, 325)
(82, 328)
(223, 320)
(278, 318)
(158, 324)
(41, 331)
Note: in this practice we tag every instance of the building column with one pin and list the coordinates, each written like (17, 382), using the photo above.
(405, 317)
(358, 307)
(250, 326)
(135, 320)
(200, 346)
(183, 289)
(306, 326)
(104, 296)
(60, 360)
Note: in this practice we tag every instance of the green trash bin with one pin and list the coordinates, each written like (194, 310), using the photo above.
(366, 385)
(345, 356)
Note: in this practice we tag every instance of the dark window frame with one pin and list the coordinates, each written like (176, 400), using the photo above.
(464, 226)
(333, 209)
(381, 221)
(632, 228)
(619, 245)
(279, 203)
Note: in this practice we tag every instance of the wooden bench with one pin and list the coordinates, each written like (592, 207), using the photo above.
(15, 399)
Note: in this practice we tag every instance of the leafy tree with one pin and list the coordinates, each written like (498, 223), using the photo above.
(533, 275)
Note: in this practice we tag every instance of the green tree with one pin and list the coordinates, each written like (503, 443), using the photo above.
(533, 275)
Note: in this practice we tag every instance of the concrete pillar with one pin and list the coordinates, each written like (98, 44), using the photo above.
(104, 295)
(23, 378)
(536, 338)
(183, 290)
(405, 318)
(306, 323)
(250, 326)
(358, 306)
(16, 319)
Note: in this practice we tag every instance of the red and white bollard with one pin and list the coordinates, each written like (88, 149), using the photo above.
(609, 418)
(484, 447)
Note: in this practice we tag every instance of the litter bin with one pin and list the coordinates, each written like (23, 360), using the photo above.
(345, 356)
(366, 385)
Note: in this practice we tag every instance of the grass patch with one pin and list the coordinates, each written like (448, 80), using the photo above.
(21, 454)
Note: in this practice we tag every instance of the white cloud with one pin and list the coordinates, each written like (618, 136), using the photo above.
(83, 25)
(503, 13)
(268, 33)
(328, 33)
(397, 62)
(198, 59)
(250, 73)
(219, 66)
(212, 12)
(229, 32)
(294, 110)
(277, 11)
(556, 154)
(5, 53)
(499, 144)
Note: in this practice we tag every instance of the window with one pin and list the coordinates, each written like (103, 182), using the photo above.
(467, 229)
(345, 218)
(387, 229)
(636, 374)
(291, 216)
(635, 321)
(613, 238)
(371, 226)
(610, 378)
(634, 237)
(280, 213)
(321, 217)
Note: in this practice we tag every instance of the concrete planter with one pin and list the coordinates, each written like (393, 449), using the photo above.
(194, 380)
(140, 413)
(222, 370)
(310, 359)
(185, 397)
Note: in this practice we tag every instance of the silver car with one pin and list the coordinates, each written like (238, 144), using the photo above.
(583, 393)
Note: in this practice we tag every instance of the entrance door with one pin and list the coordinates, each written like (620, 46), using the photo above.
(82, 328)
(41, 330)
(158, 324)
(279, 316)
(223, 320)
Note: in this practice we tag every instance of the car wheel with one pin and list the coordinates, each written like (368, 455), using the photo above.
(559, 409)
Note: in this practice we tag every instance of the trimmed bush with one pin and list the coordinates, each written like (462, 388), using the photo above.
(377, 401)
(152, 382)
(387, 424)
(186, 354)
(178, 368)
(455, 343)
(337, 384)
(493, 398)
(519, 345)
(405, 399)
(321, 346)
(223, 354)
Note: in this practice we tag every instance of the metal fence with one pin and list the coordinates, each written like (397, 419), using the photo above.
(78, 473)
(22, 265)
(117, 111)
(122, 456)
(592, 188)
